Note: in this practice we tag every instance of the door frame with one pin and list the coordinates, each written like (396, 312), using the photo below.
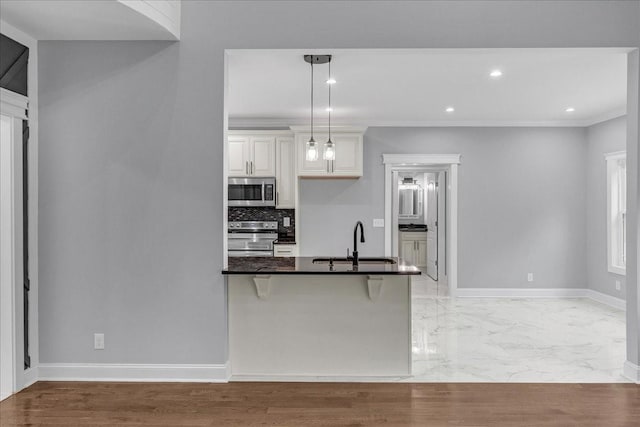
(29, 104)
(437, 221)
(450, 163)
(13, 106)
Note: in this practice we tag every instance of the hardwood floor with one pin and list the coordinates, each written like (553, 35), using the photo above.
(322, 404)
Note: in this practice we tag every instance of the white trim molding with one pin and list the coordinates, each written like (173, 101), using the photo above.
(335, 129)
(613, 199)
(14, 104)
(17, 104)
(133, 372)
(421, 159)
(31, 376)
(631, 371)
(318, 378)
(281, 122)
(617, 303)
(522, 292)
(605, 299)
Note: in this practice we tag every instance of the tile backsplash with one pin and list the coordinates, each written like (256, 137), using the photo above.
(266, 214)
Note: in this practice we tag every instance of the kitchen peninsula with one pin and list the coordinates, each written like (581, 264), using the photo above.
(319, 317)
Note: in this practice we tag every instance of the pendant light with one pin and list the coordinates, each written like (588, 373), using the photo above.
(312, 146)
(329, 146)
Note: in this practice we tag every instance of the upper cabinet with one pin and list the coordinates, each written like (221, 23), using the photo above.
(285, 173)
(265, 154)
(348, 155)
(252, 155)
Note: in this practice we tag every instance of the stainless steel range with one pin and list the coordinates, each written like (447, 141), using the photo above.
(252, 238)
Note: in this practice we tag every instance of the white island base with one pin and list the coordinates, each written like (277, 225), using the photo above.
(297, 326)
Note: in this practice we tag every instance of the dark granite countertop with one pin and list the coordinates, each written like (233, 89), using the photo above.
(305, 265)
(412, 227)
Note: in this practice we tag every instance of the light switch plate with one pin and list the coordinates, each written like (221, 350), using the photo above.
(530, 277)
(618, 285)
(378, 222)
(98, 341)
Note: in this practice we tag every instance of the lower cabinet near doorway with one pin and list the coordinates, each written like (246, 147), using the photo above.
(285, 250)
(413, 247)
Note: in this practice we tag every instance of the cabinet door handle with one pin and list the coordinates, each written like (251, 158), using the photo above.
(246, 168)
(251, 166)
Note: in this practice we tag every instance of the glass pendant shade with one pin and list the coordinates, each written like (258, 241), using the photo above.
(312, 150)
(329, 150)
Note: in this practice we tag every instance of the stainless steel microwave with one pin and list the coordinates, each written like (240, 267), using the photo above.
(252, 192)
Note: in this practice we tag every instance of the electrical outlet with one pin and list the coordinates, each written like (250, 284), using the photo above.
(530, 277)
(618, 286)
(378, 222)
(286, 221)
(98, 341)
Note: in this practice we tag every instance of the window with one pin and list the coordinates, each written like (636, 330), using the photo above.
(617, 212)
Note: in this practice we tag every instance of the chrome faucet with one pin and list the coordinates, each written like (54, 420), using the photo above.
(355, 241)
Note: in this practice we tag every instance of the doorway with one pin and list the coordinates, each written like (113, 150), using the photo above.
(421, 225)
(421, 216)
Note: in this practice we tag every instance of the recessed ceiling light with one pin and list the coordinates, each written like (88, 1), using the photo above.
(331, 81)
(495, 73)
(570, 110)
(450, 110)
(329, 109)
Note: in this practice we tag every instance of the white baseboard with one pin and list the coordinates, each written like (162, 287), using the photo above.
(318, 379)
(614, 302)
(133, 372)
(631, 371)
(522, 292)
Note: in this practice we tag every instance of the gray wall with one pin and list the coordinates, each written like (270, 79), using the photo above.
(130, 212)
(602, 138)
(131, 156)
(522, 196)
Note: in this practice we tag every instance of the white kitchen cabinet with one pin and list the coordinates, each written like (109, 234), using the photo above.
(413, 248)
(348, 156)
(252, 155)
(285, 250)
(263, 156)
(285, 173)
(238, 156)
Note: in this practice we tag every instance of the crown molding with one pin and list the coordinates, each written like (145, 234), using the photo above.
(613, 114)
(334, 129)
(257, 123)
(424, 159)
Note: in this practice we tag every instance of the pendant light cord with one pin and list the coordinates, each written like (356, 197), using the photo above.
(312, 97)
(330, 101)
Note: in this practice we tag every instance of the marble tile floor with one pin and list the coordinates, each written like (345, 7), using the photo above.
(514, 340)
(425, 286)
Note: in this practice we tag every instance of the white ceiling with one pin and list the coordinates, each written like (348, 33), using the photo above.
(93, 20)
(414, 87)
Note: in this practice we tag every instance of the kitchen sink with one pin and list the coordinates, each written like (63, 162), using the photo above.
(361, 260)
